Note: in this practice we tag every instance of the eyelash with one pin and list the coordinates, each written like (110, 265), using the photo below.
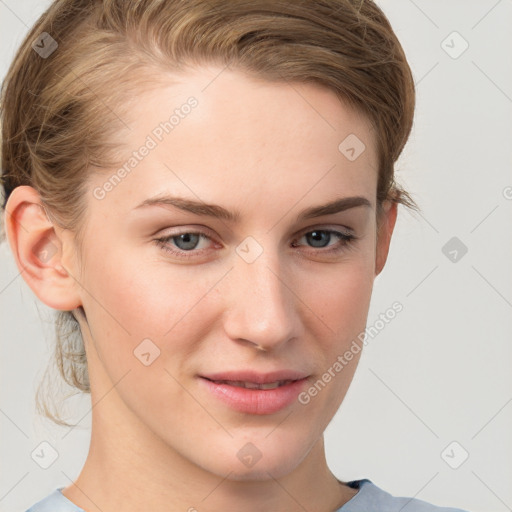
(346, 240)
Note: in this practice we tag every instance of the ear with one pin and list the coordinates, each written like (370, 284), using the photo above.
(38, 247)
(385, 226)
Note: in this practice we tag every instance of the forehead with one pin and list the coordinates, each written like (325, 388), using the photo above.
(211, 127)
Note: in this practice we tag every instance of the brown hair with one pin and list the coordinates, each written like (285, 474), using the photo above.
(58, 109)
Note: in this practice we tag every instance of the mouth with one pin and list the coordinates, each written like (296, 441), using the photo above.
(245, 395)
(253, 385)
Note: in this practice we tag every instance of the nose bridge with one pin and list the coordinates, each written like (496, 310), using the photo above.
(261, 307)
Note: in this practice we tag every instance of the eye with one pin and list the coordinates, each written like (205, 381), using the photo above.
(320, 238)
(186, 242)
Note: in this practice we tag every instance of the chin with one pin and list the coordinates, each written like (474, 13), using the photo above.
(250, 463)
(261, 471)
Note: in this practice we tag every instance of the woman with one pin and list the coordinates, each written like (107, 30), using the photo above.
(205, 189)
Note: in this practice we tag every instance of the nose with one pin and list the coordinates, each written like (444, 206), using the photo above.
(261, 307)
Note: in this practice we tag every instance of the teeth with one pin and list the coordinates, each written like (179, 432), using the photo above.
(253, 385)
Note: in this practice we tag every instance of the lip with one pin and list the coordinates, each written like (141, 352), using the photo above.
(258, 378)
(255, 401)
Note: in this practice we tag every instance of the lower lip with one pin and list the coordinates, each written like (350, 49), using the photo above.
(256, 401)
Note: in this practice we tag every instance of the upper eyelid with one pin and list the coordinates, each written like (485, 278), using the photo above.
(321, 227)
(208, 232)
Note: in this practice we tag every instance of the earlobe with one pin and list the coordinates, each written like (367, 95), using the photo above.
(38, 248)
(385, 227)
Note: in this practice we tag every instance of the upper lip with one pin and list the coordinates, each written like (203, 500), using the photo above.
(257, 378)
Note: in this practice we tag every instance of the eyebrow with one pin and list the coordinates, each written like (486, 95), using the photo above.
(219, 212)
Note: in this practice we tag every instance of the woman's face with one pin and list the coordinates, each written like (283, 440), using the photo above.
(274, 294)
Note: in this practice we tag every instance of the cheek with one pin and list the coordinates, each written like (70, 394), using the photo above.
(149, 320)
(340, 294)
(341, 301)
(144, 321)
(143, 296)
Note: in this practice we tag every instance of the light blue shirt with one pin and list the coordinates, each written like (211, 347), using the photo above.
(370, 498)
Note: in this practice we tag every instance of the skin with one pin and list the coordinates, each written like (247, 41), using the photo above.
(159, 440)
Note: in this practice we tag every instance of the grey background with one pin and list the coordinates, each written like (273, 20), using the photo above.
(441, 370)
